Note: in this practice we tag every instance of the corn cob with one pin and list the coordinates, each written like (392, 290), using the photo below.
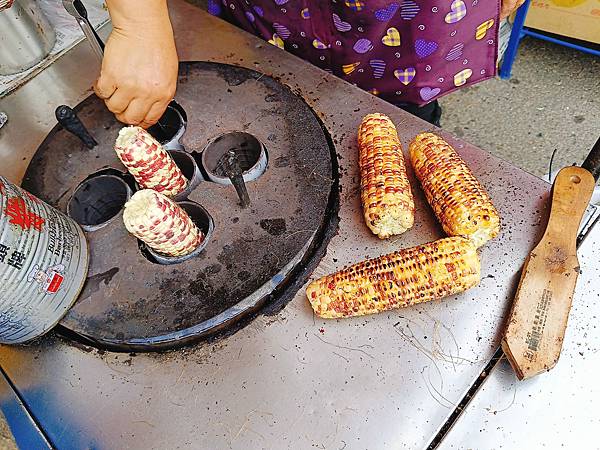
(161, 224)
(148, 162)
(387, 200)
(407, 277)
(460, 203)
(5, 4)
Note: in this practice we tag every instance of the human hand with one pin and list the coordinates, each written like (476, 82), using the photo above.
(508, 6)
(139, 70)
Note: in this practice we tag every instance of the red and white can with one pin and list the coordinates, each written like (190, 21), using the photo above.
(43, 264)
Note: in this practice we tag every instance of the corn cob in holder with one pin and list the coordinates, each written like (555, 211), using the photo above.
(161, 223)
(460, 203)
(148, 162)
(387, 200)
(407, 277)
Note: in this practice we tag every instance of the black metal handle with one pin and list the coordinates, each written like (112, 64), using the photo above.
(592, 162)
(234, 172)
(83, 12)
(70, 122)
(96, 35)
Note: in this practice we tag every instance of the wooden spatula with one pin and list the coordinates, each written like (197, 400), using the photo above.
(538, 319)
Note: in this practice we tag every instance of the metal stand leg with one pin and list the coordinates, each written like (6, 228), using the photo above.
(592, 162)
(513, 43)
(517, 33)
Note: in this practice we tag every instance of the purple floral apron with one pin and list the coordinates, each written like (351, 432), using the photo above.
(405, 51)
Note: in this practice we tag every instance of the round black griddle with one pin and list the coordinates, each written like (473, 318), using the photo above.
(256, 257)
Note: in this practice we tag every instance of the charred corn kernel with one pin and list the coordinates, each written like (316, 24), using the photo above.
(407, 277)
(161, 224)
(387, 200)
(460, 203)
(148, 162)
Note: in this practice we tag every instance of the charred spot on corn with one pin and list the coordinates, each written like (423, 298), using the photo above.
(459, 201)
(407, 277)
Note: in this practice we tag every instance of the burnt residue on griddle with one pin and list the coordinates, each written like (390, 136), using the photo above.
(183, 74)
(282, 161)
(275, 227)
(272, 98)
(92, 283)
(328, 229)
(154, 307)
(244, 275)
(234, 76)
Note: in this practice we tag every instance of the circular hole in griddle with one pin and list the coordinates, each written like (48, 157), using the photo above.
(125, 176)
(146, 253)
(201, 218)
(179, 108)
(251, 155)
(185, 162)
(190, 170)
(97, 200)
(171, 124)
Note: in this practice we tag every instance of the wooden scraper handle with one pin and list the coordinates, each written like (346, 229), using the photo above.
(536, 327)
(573, 187)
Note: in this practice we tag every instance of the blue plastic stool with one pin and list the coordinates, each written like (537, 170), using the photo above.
(519, 31)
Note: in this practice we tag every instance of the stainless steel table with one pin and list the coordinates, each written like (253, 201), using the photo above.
(289, 380)
(558, 409)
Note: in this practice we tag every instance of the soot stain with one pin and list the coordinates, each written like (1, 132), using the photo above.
(275, 227)
(92, 284)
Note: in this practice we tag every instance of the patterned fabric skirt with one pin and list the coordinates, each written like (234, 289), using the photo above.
(405, 51)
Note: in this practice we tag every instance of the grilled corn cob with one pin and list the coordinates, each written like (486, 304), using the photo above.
(161, 224)
(460, 203)
(407, 277)
(148, 162)
(387, 200)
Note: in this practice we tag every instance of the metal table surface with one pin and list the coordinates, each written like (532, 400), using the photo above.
(288, 380)
(558, 409)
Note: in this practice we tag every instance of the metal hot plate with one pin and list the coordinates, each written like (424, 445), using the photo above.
(256, 256)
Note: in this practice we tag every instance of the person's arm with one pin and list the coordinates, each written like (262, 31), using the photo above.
(139, 70)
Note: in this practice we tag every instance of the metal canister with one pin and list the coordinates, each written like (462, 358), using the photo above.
(26, 36)
(43, 264)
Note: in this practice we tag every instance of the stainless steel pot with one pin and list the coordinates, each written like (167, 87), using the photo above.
(26, 37)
